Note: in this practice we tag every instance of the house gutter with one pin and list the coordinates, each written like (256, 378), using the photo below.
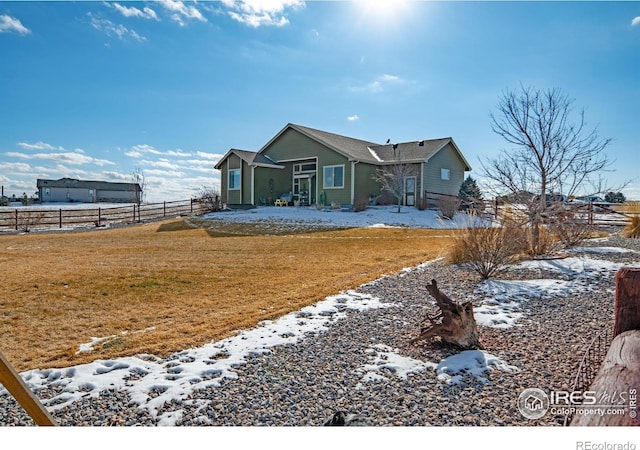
(353, 181)
(253, 185)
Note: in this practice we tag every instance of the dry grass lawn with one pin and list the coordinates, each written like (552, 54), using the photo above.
(168, 286)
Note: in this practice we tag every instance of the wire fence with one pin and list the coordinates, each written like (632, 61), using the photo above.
(47, 217)
(587, 213)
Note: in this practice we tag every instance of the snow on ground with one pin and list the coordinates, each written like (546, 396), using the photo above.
(602, 250)
(374, 216)
(502, 304)
(450, 370)
(197, 368)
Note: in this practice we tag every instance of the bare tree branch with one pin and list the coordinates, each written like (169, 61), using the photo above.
(551, 154)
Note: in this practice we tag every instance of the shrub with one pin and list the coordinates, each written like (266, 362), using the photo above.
(385, 198)
(210, 198)
(615, 197)
(360, 203)
(632, 229)
(569, 229)
(488, 249)
(448, 206)
(422, 203)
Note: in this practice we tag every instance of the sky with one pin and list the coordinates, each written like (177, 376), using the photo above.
(97, 90)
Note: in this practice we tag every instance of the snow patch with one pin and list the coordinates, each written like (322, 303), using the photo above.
(476, 363)
(151, 382)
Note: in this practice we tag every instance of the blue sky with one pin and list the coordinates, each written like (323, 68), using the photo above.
(96, 90)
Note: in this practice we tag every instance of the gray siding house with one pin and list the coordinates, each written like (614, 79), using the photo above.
(72, 190)
(318, 167)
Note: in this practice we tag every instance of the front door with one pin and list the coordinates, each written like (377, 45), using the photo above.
(410, 191)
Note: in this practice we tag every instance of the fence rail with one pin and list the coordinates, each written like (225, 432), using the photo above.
(589, 213)
(48, 217)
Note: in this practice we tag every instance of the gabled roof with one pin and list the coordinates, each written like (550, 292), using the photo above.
(414, 151)
(351, 148)
(370, 152)
(251, 158)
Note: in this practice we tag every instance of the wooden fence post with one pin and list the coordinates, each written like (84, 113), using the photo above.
(23, 395)
(16, 220)
(60, 217)
(627, 312)
(620, 370)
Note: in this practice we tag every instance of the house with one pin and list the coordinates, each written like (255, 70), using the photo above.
(318, 167)
(72, 190)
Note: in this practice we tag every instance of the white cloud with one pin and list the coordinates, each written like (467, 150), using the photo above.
(145, 13)
(111, 29)
(144, 148)
(256, 13)
(390, 78)
(76, 157)
(162, 163)
(353, 118)
(15, 167)
(9, 24)
(139, 150)
(179, 153)
(210, 156)
(181, 11)
(164, 173)
(134, 154)
(635, 21)
(380, 84)
(38, 146)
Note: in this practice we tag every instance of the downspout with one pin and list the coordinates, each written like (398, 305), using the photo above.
(422, 183)
(253, 185)
(353, 181)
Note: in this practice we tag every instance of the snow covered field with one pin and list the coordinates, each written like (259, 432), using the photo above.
(376, 216)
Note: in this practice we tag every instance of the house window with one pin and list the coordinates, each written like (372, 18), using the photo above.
(445, 174)
(333, 177)
(90, 193)
(304, 167)
(234, 179)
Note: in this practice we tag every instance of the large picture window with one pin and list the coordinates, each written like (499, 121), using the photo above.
(234, 179)
(333, 177)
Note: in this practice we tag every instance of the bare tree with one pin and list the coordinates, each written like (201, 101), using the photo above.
(210, 197)
(137, 177)
(551, 155)
(393, 179)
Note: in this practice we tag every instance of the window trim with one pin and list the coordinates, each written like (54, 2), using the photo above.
(229, 173)
(445, 174)
(324, 177)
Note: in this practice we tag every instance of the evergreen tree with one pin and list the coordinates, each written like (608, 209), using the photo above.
(615, 197)
(471, 195)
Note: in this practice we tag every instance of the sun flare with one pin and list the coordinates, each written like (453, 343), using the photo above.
(382, 10)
